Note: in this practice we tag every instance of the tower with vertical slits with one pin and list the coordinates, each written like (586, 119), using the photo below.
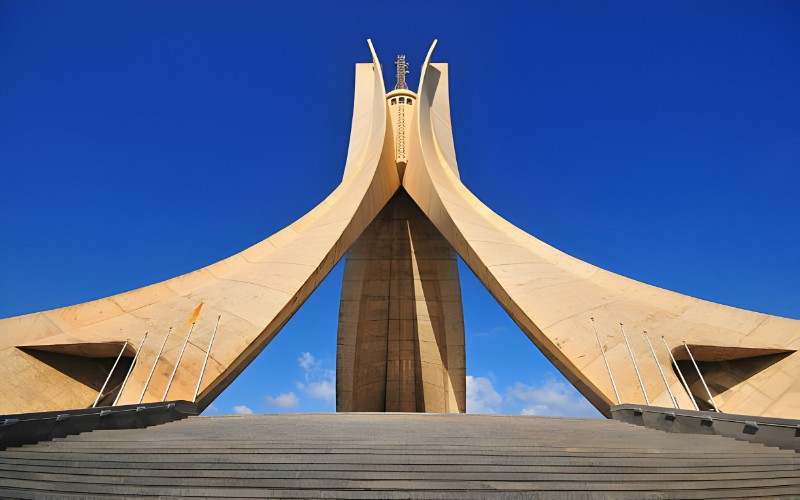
(402, 105)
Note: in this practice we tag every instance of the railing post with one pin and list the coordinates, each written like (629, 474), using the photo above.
(102, 389)
(154, 365)
(600, 345)
(678, 368)
(663, 377)
(701, 378)
(130, 369)
(175, 370)
(635, 366)
(208, 353)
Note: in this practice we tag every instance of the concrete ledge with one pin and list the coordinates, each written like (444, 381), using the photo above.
(779, 432)
(29, 428)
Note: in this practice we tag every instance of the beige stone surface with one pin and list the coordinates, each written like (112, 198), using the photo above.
(57, 359)
(553, 297)
(401, 325)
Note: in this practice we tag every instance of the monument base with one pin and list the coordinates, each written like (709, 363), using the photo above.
(398, 455)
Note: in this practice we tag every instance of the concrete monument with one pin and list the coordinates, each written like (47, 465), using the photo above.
(401, 214)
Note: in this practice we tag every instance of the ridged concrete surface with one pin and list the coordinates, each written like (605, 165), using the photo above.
(398, 456)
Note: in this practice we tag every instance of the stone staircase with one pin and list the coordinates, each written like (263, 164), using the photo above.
(397, 456)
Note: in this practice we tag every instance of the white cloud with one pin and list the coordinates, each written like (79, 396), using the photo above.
(552, 398)
(286, 400)
(210, 410)
(306, 361)
(242, 410)
(481, 396)
(491, 332)
(321, 389)
(318, 382)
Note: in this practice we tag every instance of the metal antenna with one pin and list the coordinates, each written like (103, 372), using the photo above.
(205, 362)
(710, 397)
(154, 365)
(130, 369)
(663, 377)
(402, 71)
(678, 368)
(635, 366)
(175, 370)
(619, 402)
(102, 389)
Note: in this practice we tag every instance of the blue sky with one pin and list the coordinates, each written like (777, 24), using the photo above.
(142, 140)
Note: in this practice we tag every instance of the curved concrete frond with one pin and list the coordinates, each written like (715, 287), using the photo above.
(558, 300)
(251, 294)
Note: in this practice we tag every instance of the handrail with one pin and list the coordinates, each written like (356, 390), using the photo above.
(100, 410)
(713, 416)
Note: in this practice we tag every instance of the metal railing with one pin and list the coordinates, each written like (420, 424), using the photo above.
(783, 433)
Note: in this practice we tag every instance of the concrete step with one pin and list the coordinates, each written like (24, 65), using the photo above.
(398, 456)
(189, 469)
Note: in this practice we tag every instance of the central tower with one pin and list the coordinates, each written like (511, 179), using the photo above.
(401, 323)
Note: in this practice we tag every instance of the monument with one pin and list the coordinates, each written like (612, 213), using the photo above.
(400, 216)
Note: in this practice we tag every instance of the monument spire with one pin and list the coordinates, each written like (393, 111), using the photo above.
(402, 71)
